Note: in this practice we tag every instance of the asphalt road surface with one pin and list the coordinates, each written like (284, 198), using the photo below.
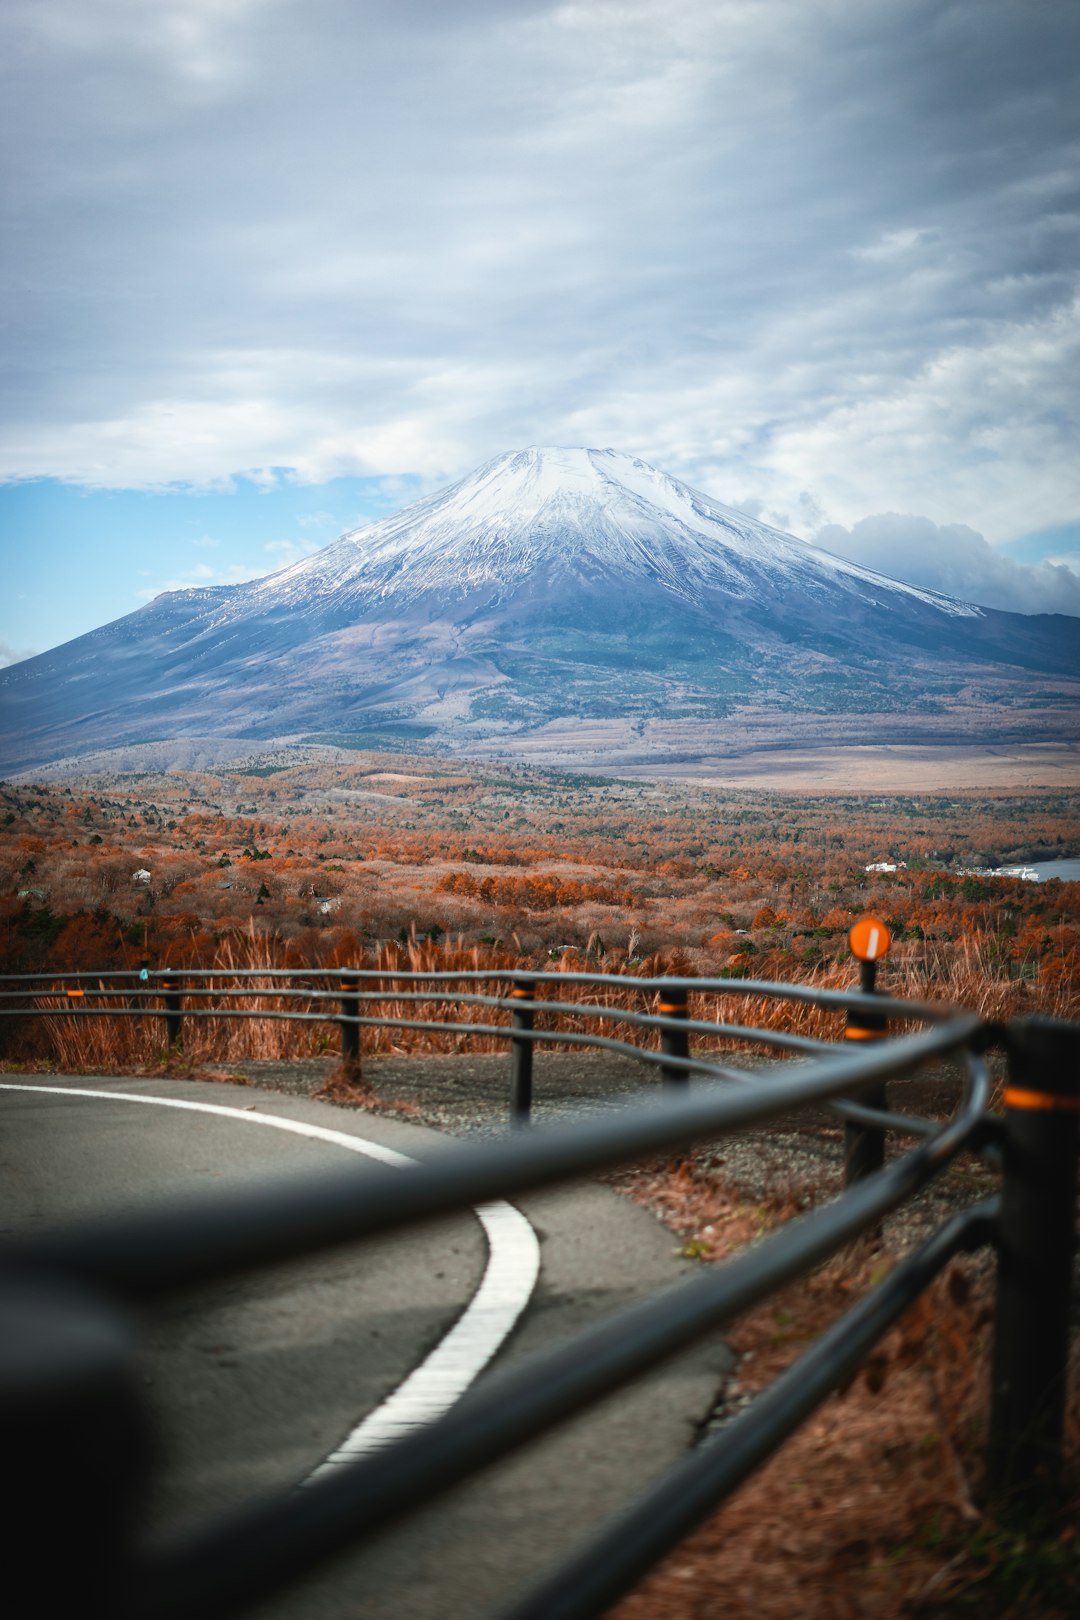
(255, 1383)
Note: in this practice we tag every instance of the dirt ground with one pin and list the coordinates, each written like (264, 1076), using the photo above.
(994, 768)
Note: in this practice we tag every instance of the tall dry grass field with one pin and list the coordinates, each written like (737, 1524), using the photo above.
(228, 1019)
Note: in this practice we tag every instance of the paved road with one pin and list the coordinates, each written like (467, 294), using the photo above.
(253, 1383)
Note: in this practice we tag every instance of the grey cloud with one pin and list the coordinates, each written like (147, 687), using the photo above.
(954, 559)
(14, 655)
(343, 237)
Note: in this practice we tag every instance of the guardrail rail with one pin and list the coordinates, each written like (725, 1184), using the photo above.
(66, 1380)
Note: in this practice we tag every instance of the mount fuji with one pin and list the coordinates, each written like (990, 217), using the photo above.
(571, 597)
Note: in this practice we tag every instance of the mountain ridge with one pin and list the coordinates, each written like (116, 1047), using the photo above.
(515, 508)
(549, 584)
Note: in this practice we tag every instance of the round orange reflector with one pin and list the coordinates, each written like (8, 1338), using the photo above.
(869, 939)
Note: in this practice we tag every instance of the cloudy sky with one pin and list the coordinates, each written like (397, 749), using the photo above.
(273, 267)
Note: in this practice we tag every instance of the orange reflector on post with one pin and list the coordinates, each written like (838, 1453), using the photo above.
(869, 939)
(1017, 1097)
(74, 993)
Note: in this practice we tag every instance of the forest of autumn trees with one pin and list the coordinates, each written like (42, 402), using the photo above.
(336, 859)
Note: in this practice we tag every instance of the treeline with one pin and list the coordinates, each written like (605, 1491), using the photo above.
(541, 893)
(329, 867)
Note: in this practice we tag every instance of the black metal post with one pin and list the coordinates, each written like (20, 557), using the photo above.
(521, 1053)
(864, 1145)
(174, 1006)
(75, 1445)
(1036, 1244)
(674, 1043)
(350, 1012)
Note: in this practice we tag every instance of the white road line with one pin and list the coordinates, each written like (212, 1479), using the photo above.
(446, 1373)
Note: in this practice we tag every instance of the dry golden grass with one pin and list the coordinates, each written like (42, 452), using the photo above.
(965, 973)
(875, 1506)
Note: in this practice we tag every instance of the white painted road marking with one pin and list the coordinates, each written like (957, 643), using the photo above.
(505, 1288)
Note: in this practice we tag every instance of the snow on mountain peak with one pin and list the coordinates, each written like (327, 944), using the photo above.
(564, 588)
(563, 510)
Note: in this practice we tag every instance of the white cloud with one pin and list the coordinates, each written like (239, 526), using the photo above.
(956, 560)
(206, 542)
(1004, 408)
(292, 550)
(799, 247)
(14, 655)
(890, 245)
(202, 574)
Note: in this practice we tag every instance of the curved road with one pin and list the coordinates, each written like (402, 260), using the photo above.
(259, 1381)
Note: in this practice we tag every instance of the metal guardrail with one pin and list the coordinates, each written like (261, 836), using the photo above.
(65, 1367)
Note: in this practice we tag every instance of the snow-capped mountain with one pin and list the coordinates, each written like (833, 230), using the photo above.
(572, 513)
(550, 588)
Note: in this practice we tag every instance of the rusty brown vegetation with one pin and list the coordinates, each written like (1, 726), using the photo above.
(396, 864)
(876, 1506)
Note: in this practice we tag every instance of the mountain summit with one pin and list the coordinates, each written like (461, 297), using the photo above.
(572, 516)
(563, 603)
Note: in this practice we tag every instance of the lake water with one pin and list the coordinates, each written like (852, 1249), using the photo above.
(1067, 871)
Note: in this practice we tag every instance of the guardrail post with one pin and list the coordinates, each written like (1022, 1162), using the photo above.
(1036, 1245)
(350, 1013)
(521, 1052)
(174, 1007)
(864, 1145)
(76, 1447)
(674, 1043)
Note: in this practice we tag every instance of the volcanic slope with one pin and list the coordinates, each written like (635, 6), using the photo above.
(551, 588)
